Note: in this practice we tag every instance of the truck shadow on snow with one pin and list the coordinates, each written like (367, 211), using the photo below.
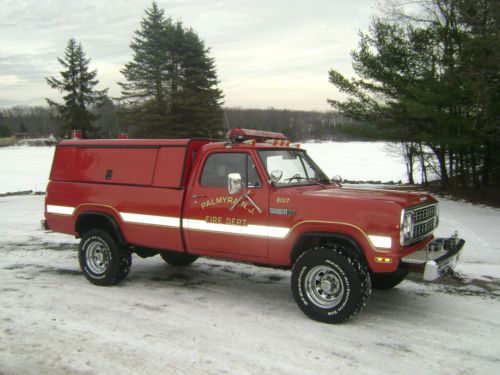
(226, 275)
(219, 273)
(206, 273)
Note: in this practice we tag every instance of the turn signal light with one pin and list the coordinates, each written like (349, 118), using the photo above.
(383, 260)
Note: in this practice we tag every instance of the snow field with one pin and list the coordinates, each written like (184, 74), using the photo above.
(357, 161)
(25, 168)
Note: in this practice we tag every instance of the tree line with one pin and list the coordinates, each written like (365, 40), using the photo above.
(111, 121)
(429, 77)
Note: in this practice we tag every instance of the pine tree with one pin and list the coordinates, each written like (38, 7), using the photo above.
(77, 83)
(23, 128)
(431, 78)
(107, 121)
(171, 88)
(4, 129)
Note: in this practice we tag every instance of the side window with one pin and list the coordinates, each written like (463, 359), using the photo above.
(218, 166)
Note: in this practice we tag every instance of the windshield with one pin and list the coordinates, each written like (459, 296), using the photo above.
(287, 167)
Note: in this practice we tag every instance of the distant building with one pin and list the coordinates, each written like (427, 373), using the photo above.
(20, 136)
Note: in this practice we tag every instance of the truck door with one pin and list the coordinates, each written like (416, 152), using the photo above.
(219, 224)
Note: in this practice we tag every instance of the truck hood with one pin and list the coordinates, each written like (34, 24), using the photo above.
(402, 198)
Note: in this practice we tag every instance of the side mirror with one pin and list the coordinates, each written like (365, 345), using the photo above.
(337, 179)
(276, 175)
(234, 184)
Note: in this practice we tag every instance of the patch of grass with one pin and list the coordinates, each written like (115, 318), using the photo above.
(5, 142)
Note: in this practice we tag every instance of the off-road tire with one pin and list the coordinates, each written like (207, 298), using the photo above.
(345, 278)
(178, 259)
(102, 260)
(388, 280)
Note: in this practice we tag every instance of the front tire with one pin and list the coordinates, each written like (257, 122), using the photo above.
(329, 285)
(102, 260)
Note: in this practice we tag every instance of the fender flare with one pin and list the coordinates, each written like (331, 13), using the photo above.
(110, 219)
(354, 245)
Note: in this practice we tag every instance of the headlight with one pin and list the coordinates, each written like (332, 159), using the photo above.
(406, 226)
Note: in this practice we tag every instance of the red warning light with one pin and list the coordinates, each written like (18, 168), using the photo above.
(76, 134)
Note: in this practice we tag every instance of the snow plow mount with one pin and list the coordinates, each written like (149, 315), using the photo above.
(437, 259)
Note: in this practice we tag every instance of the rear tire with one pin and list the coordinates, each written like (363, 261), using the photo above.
(102, 260)
(329, 285)
(178, 259)
(384, 281)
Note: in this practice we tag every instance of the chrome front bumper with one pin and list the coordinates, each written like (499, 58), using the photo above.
(436, 259)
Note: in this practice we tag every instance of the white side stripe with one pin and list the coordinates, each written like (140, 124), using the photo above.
(61, 210)
(380, 241)
(164, 221)
(249, 230)
(174, 222)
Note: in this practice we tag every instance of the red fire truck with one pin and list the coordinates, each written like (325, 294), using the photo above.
(254, 198)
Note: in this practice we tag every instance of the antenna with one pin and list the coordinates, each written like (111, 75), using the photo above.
(225, 118)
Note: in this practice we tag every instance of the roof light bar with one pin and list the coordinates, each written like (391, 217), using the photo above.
(241, 135)
(278, 142)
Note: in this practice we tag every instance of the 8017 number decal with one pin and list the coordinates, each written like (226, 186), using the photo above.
(282, 200)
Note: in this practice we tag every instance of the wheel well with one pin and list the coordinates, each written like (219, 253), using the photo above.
(310, 240)
(98, 220)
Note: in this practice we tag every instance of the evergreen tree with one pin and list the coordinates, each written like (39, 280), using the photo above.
(107, 121)
(77, 83)
(23, 128)
(171, 88)
(4, 131)
(431, 79)
(196, 100)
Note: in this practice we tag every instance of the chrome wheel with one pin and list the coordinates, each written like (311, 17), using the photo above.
(324, 286)
(97, 256)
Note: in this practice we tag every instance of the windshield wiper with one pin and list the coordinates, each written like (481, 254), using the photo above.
(300, 178)
(316, 182)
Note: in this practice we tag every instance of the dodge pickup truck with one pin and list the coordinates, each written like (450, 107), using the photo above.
(254, 197)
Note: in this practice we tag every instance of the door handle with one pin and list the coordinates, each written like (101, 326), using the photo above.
(199, 196)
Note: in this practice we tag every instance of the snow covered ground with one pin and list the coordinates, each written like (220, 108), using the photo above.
(218, 317)
(24, 168)
(354, 161)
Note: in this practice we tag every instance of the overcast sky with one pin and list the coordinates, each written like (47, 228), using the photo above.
(273, 53)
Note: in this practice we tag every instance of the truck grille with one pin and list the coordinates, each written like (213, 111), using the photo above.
(424, 213)
(424, 221)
